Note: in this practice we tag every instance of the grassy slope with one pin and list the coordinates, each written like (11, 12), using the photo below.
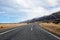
(8, 26)
(54, 28)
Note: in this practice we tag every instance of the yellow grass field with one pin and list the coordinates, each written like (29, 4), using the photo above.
(54, 28)
(10, 25)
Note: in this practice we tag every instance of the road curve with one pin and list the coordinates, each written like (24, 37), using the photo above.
(28, 32)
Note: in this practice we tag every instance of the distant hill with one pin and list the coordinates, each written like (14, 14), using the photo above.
(54, 17)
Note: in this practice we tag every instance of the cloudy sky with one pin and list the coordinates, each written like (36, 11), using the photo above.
(20, 10)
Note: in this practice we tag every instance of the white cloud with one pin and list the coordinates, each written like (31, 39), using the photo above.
(54, 10)
(32, 10)
(23, 3)
(2, 12)
(37, 12)
(52, 2)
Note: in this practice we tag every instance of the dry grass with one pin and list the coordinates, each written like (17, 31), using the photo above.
(54, 28)
(8, 26)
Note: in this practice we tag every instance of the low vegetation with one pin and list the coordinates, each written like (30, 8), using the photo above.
(10, 25)
(52, 27)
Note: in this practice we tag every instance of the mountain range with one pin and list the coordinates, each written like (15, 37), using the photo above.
(50, 18)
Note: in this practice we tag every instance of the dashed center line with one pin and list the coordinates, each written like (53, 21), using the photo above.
(31, 28)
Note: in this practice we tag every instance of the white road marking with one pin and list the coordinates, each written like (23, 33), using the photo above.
(7, 31)
(51, 34)
(31, 28)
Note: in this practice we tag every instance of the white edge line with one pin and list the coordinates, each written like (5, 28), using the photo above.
(7, 31)
(51, 34)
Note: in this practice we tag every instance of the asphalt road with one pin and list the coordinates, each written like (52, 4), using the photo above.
(28, 32)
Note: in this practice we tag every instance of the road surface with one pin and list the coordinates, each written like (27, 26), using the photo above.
(27, 32)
